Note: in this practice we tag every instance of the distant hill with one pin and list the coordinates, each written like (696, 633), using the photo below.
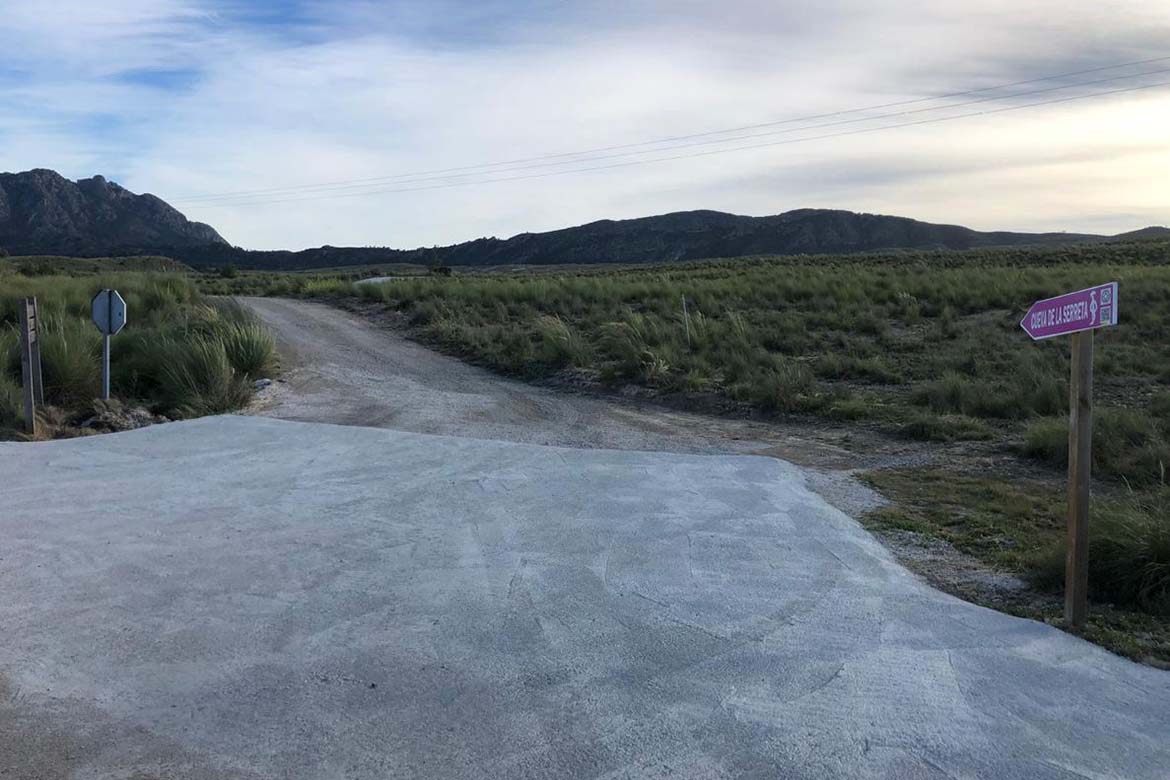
(688, 235)
(693, 235)
(1153, 233)
(44, 213)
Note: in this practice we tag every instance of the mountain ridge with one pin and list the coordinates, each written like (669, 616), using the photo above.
(96, 217)
(42, 212)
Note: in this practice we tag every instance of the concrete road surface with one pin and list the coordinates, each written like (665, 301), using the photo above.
(242, 597)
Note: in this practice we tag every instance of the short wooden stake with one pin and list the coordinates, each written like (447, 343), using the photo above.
(27, 338)
(35, 352)
(1080, 441)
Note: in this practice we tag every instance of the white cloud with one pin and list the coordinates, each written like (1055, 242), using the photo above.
(350, 91)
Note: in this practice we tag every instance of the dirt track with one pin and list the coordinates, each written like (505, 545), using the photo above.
(340, 368)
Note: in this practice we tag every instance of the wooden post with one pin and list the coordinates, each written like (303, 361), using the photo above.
(35, 352)
(1080, 440)
(26, 367)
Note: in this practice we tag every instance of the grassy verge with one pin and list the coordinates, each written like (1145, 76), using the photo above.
(180, 355)
(50, 265)
(1017, 526)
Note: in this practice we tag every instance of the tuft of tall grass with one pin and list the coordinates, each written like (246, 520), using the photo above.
(1129, 552)
(198, 378)
(1160, 408)
(9, 352)
(560, 344)
(631, 347)
(945, 427)
(789, 387)
(70, 359)
(250, 348)
(11, 403)
(1125, 445)
(1017, 393)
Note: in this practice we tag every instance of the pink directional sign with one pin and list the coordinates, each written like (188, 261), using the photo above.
(1095, 307)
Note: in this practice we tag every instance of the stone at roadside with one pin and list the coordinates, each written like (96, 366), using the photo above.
(113, 415)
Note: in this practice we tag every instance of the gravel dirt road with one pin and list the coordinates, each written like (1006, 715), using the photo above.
(343, 369)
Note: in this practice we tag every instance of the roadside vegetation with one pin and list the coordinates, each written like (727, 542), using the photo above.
(229, 280)
(47, 265)
(181, 355)
(921, 345)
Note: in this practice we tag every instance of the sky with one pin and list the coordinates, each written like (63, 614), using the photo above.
(408, 123)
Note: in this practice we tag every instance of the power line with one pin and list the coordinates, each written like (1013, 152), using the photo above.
(706, 153)
(434, 173)
(454, 178)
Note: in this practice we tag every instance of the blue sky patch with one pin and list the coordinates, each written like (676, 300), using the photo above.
(171, 79)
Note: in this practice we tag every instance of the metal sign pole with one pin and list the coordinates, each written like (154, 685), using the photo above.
(106, 367)
(106, 345)
(108, 310)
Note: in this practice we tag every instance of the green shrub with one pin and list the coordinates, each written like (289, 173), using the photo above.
(628, 346)
(560, 345)
(198, 379)
(1125, 445)
(870, 369)
(1019, 393)
(138, 358)
(171, 355)
(1160, 408)
(948, 394)
(1047, 439)
(11, 403)
(70, 360)
(947, 427)
(9, 353)
(1129, 553)
(788, 387)
(250, 348)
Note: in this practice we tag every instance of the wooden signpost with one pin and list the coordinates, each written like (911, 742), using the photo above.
(1079, 314)
(30, 362)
